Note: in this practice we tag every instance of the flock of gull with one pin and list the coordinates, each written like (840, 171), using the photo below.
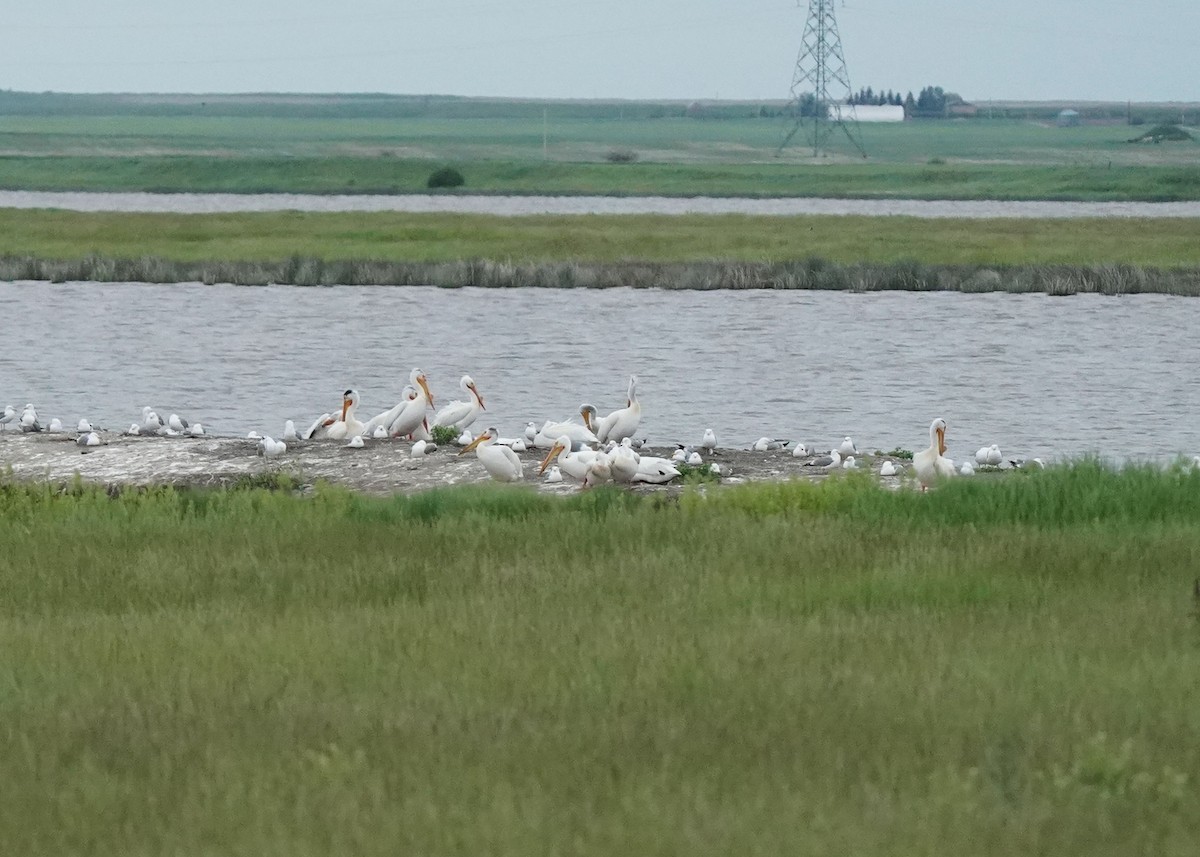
(594, 450)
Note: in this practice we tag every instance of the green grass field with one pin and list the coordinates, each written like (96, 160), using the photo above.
(595, 238)
(377, 145)
(1000, 667)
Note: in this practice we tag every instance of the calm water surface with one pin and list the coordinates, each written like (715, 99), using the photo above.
(1036, 374)
(200, 203)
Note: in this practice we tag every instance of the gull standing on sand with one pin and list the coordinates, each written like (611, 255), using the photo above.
(29, 419)
(847, 448)
(10, 415)
(289, 431)
(710, 440)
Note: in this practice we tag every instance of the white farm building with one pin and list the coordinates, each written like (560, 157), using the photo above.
(867, 112)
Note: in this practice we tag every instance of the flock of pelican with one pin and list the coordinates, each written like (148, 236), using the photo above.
(593, 450)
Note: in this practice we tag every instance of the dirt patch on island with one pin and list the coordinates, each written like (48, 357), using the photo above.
(380, 467)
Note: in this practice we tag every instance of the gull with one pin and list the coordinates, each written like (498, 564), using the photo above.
(268, 447)
(834, 459)
(994, 457)
(518, 445)
(379, 433)
(253, 435)
(847, 448)
(55, 425)
(694, 460)
(802, 450)
(888, 469)
(88, 439)
(151, 422)
(765, 443)
(531, 431)
(10, 415)
(289, 431)
(966, 469)
(710, 440)
(133, 430)
(981, 455)
(356, 442)
(554, 474)
(420, 449)
(84, 426)
(29, 419)
(177, 423)
(850, 463)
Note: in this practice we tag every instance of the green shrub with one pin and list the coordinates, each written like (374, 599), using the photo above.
(445, 177)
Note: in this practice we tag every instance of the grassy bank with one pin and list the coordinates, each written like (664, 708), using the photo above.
(776, 178)
(999, 667)
(705, 251)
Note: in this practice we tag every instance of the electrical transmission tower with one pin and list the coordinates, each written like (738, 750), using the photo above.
(820, 74)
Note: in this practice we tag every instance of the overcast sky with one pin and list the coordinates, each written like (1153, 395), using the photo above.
(686, 49)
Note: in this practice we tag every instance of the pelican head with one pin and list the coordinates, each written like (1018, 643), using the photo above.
(349, 400)
(588, 412)
(937, 429)
(469, 385)
(486, 436)
(417, 378)
(560, 445)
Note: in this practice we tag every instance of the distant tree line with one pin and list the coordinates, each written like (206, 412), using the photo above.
(869, 96)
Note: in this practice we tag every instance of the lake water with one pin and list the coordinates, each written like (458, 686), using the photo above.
(207, 203)
(1039, 375)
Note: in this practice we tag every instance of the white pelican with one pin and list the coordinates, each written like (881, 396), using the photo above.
(348, 425)
(655, 470)
(847, 448)
(317, 429)
(994, 457)
(554, 475)
(574, 464)
(422, 432)
(710, 440)
(622, 423)
(500, 462)
(409, 413)
(10, 414)
(289, 431)
(888, 469)
(930, 464)
(89, 438)
(550, 433)
(462, 414)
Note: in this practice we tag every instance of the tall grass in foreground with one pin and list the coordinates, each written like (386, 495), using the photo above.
(998, 667)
